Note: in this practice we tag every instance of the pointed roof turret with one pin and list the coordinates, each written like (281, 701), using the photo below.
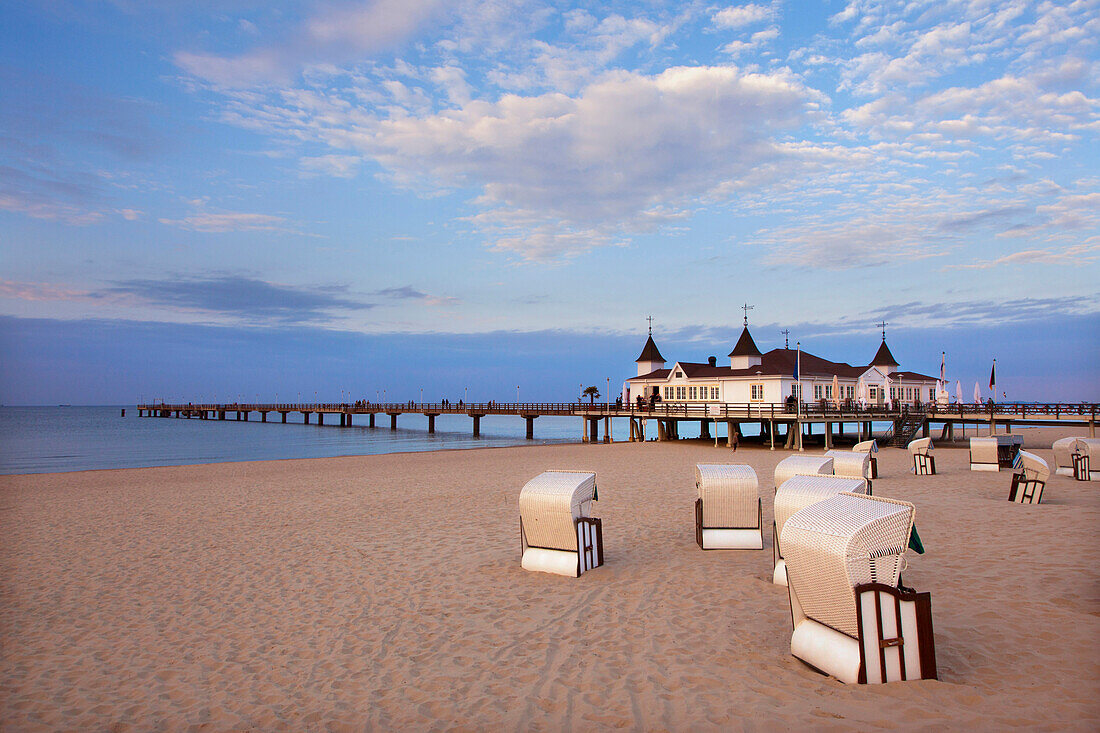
(883, 357)
(745, 345)
(650, 352)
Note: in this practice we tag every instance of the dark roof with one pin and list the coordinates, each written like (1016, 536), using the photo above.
(745, 345)
(883, 357)
(650, 352)
(780, 361)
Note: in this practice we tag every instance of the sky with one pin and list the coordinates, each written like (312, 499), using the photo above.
(241, 198)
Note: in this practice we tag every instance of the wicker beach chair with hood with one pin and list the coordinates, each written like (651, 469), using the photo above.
(556, 529)
(1086, 459)
(870, 447)
(1064, 449)
(851, 618)
(983, 454)
(796, 494)
(849, 464)
(924, 463)
(728, 507)
(802, 466)
(1029, 479)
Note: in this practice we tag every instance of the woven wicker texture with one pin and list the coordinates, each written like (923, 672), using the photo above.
(867, 446)
(799, 492)
(850, 464)
(1033, 467)
(730, 494)
(983, 450)
(922, 447)
(1063, 452)
(802, 466)
(834, 545)
(550, 502)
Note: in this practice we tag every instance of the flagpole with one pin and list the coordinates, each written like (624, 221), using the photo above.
(798, 367)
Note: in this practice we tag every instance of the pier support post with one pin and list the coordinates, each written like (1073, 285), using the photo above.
(284, 417)
(593, 429)
(771, 434)
(828, 435)
(221, 414)
(530, 420)
(477, 425)
(370, 423)
(349, 420)
(343, 420)
(607, 429)
(431, 422)
(704, 429)
(305, 418)
(393, 421)
(925, 429)
(263, 416)
(584, 429)
(320, 418)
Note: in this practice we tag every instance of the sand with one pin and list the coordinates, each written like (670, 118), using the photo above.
(385, 592)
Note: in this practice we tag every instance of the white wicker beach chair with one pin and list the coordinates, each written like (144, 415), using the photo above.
(802, 466)
(870, 447)
(1063, 455)
(851, 620)
(797, 493)
(557, 533)
(727, 511)
(983, 454)
(1086, 459)
(924, 463)
(850, 464)
(1029, 479)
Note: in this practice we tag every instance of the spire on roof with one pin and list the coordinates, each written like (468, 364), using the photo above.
(883, 357)
(745, 345)
(649, 351)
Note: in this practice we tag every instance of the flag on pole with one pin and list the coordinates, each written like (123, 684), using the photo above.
(993, 378)
(943, 366)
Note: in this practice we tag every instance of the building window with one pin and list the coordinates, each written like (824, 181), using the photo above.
(851, 391)
(756, 391)
(817, 391)
(691, 393)
(714, 393)
(893, 393)
(679, 375)
(668, 393)
(931, 394)
(828, 391)
(681, 393)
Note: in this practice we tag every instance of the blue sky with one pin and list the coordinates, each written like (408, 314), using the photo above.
(389, 194)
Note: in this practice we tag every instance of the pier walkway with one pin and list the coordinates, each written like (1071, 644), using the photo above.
(777, 421)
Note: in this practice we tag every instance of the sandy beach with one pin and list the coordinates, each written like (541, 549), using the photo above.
(385, 592)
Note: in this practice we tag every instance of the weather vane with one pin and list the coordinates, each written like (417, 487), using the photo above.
(746, 307)
(883, 326)
(786, 338)
(650, 319)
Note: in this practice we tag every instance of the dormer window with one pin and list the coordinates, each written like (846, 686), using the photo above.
(679, 374)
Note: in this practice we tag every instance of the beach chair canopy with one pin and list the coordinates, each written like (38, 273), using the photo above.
(1063, 452)
(802, 466)
(839, 543)
(924, 447)
(1088, 447)
(799, 492)
(983, 450)
(850, 464)
(1032, 467)
(550, 502)
(867, 446)
(730, 494)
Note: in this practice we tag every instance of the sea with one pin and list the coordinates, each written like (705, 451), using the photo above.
(78, 438)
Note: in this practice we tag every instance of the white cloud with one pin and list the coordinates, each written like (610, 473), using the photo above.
(229, 221)
(738, 16)
(337, 166)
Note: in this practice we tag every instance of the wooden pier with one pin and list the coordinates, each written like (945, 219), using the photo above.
(786, 425)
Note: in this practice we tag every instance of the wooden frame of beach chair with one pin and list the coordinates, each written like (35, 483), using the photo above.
(869, 447)
(1029, 479)
(850, 618)
(850, 464)
(728, 508)
(557, 533)
(802, 466)
(797, 493)
(1086, 459)
(1064, 449)
(924, 463)
(1008, 448)
(983, 454)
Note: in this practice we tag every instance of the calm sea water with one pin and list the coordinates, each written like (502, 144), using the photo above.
(51, 439)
